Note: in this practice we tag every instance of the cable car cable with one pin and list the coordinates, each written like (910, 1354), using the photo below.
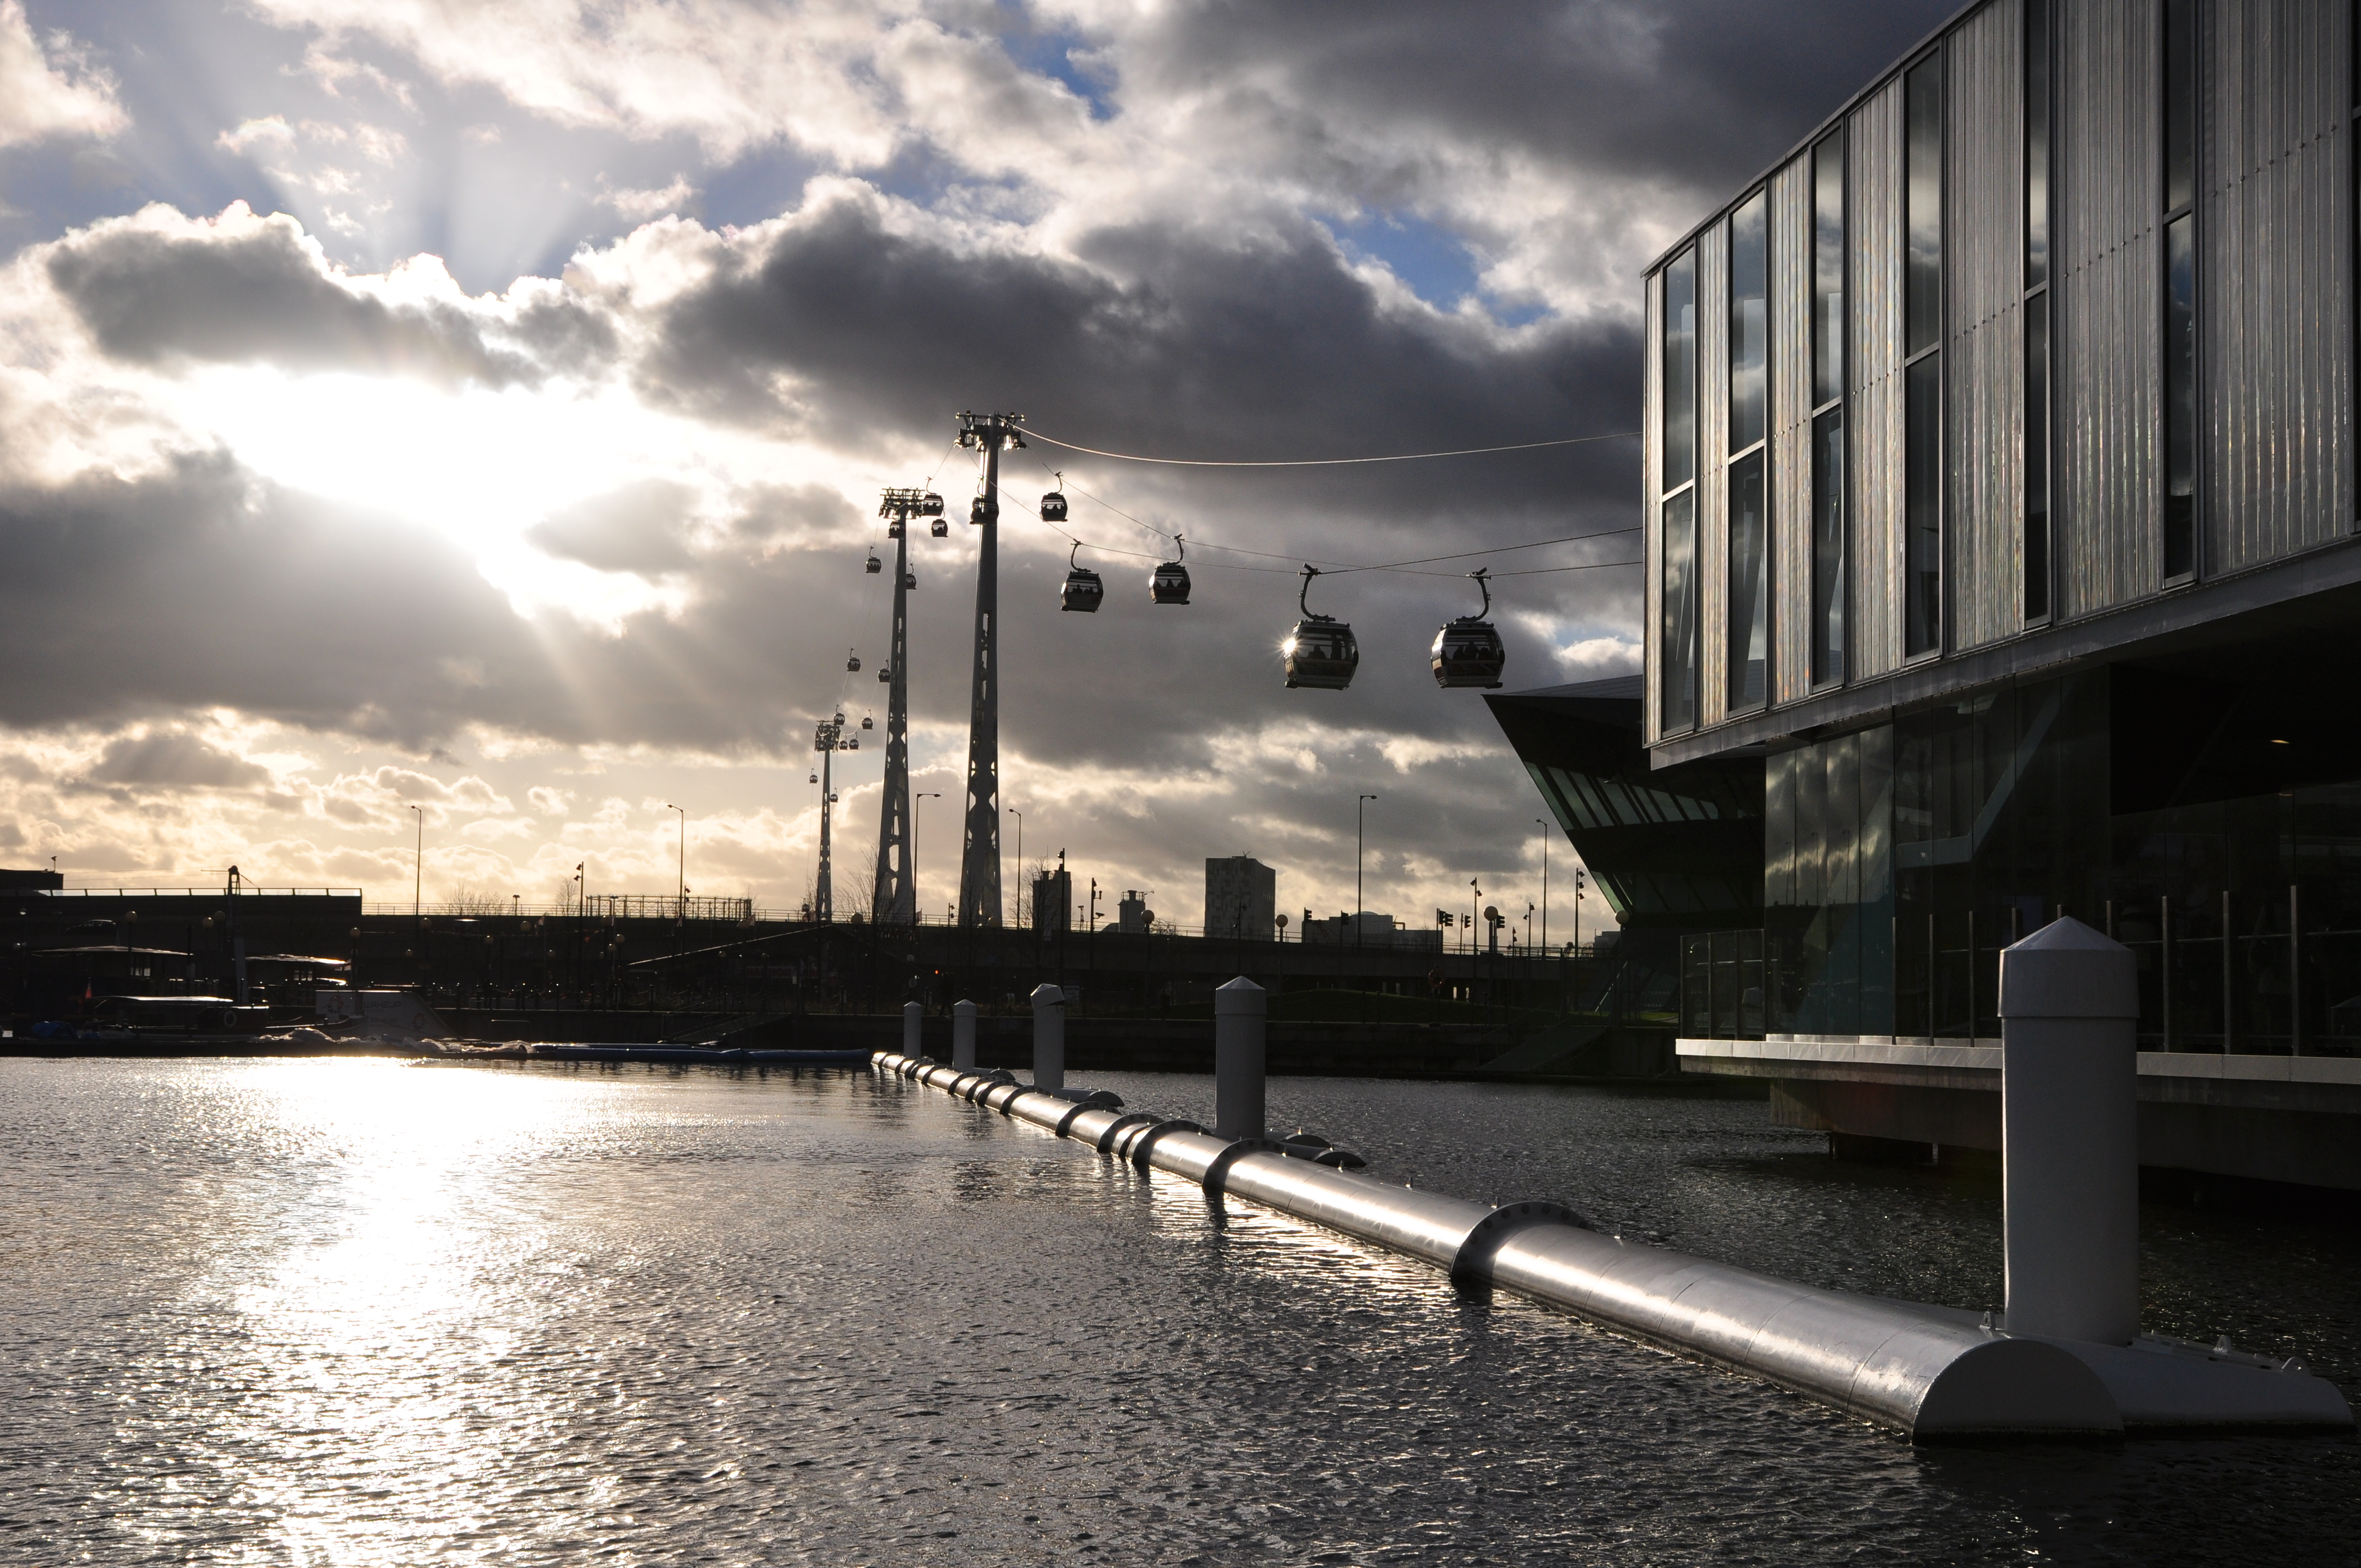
(1330, 462)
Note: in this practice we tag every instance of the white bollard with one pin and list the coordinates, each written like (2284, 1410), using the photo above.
(1238, 1013)
(912, 1013)
(963, 1036)
(1048, 1037)
(2070, 1134)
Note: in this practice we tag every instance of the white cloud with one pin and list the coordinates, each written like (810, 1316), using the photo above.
(641, 205)
(50, 91)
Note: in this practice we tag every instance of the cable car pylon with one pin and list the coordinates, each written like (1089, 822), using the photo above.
(979, 895)
(894, 897)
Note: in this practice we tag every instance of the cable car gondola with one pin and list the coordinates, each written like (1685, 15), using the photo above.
(910, 581)
(874, 566)
(940, 529)
(1467, 652)
(853, 744)
(886, 673)
(1169, 583)
(982, 510)
(814, 778)
(867, 722)
(1083, 590)
(1320, 650)
(1053, 504)
(893, 526)
(852, 663)
(931, 505)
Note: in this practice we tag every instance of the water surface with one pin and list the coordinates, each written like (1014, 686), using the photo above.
(330, 1312)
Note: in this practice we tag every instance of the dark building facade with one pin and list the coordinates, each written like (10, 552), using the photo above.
(2000, 499)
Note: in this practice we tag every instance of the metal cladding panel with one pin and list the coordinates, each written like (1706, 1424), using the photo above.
(1874, 411)
(2273, 231)
(1651, 406)
(1983, 239)
(1791, 430)
(2107, 369)
(1713, 474)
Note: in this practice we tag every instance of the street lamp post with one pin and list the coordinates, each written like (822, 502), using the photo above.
(680, 904)
(1360, 806)
(1024, 885)
(922, 795)
(1544, 828)
(418, 866)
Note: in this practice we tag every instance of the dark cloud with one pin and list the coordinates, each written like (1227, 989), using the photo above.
(171, 758)
(1696, 95)
(1172, 343)
(636, 529)
(257, 292)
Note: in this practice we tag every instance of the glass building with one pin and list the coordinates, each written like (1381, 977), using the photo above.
(2000, 509)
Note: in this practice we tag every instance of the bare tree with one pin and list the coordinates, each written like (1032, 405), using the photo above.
(467, 898)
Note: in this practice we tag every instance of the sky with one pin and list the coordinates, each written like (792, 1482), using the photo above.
(481, 406)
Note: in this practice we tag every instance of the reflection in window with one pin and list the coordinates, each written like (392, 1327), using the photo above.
(1828, 547)
(1678, 656)
(1679, 444)
(2036, 143)
(1749, 279)
(1827, 268)
(1922, 506)
(1922, 113)
(2037, 457)
(1749, 586)
(2179, 289)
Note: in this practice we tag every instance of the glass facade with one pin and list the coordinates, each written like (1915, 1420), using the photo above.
(1827, 886)
(1678, 443)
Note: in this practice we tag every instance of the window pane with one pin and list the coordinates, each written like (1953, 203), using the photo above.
(1749, 278)
(2180, 398)
(1922, 506)
(2037, 457)
(1828, 547)
(1680, 371)
(1827, 268)
(1749, 602)
(1922, 94)
(1677, 660)
(2036, 143)
(2180, 104)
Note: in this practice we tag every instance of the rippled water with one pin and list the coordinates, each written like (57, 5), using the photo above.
(330, 1313)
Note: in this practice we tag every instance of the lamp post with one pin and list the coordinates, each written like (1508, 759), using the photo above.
(418, 867)
(680, 906)
(1544, 828)
(922, 795)
(1024, 885)
(1360, 806)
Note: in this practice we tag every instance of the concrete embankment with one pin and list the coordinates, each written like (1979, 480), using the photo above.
(1933, 1373)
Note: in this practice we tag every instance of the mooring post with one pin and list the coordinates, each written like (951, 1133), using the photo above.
(963, 1036)
(1048, 1037)
(1238, 1015)
(2070, 1134)
(912, 1016)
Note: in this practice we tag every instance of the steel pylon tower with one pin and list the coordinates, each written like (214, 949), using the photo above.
(895, 899)
(979, 895)
(825, 736)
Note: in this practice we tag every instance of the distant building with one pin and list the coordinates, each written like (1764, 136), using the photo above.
(1368, 929)
(1133, 913)
(1241, 895)
(1052, 908)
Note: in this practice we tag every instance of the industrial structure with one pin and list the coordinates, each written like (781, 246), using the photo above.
(2000, 513)
(979, 893)
(895, 901)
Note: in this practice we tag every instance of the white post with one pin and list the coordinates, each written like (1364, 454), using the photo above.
(1238, 1012)
(2070, 1134)
(1048, 1037)
(963, 1036)
(911, 1015)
